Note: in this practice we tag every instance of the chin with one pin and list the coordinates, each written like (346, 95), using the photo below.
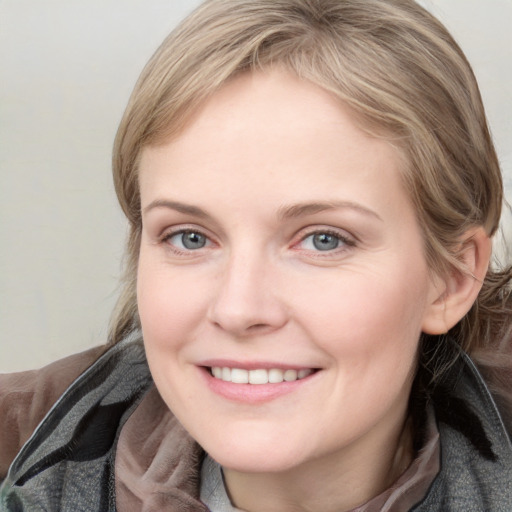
(256, 464)
(253, 457)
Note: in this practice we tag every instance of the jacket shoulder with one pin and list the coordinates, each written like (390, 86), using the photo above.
(26, 397)
(476, 450)
(68, 461)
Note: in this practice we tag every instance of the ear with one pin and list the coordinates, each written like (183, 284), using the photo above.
(453, 295)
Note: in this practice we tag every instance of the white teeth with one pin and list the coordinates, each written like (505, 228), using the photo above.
(304, 373)
(226, 374)
(290, 375)
(260, 376)
(275, 376)
(239, 376)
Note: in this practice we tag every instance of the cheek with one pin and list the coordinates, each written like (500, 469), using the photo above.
(370, 330)
(365, 313)
(170, 303)
(169, 311)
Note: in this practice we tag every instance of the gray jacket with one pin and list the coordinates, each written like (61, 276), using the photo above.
(68, 463)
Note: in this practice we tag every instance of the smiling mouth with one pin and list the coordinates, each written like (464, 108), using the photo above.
(259, 376)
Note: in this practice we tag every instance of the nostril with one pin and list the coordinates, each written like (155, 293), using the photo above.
(243, 315)
(256, 327)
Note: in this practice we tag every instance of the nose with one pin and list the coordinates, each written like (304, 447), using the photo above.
(247, 301)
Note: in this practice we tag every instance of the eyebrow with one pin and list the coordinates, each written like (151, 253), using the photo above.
(303, 209)
(176, 205)
(284, 212)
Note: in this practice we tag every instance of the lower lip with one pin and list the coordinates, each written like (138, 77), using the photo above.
(253, 393)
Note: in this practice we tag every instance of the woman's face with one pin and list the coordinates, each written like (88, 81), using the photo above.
(280, 247)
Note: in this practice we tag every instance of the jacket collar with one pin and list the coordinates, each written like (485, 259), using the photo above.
(116, 397)
(67, 464)
(476, 451)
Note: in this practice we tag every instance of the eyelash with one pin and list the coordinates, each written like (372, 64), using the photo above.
(344, 242)
(166, 237)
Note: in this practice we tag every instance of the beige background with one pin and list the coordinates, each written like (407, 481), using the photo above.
(67, 68)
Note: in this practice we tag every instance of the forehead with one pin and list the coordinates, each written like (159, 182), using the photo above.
(272, 135)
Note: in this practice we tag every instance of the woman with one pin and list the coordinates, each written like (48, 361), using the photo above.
(312, 191)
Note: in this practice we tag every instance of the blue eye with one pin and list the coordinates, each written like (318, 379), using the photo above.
(188, 240)
(323, 241)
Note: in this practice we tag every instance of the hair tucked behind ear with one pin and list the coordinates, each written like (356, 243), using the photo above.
(402, 75)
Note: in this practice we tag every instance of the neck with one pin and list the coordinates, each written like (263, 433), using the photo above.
(337, 482)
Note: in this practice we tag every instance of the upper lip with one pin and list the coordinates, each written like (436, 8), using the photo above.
(252, 365)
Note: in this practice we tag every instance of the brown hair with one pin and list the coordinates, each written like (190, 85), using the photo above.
(394, 64)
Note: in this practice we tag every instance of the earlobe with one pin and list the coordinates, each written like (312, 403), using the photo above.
(455, 293)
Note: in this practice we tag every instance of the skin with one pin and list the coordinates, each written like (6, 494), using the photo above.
(260, 290)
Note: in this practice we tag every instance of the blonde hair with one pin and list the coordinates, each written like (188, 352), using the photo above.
(398, 69)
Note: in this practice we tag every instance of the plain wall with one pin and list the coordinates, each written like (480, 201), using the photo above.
(67, 69)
